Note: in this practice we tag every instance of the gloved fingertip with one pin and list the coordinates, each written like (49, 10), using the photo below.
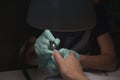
(57, 41)
(62, 49)
(47, 30)
(49, 35)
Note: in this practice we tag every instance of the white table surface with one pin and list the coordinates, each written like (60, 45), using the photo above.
(12, 75)
(101, 76)
(37, 75)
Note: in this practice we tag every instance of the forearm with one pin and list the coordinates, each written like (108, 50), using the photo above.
(98, 62)
(78, 76)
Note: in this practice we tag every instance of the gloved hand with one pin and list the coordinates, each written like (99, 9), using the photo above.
(42, 47)
(65, 52)
(52, 65)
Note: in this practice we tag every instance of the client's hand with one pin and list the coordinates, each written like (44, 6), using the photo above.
(70, 67)
(42, 47)
(52, 66)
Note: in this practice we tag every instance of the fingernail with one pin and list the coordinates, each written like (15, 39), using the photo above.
(55, 50)
(72, 54)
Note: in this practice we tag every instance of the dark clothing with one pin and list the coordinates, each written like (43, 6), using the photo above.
(70, 39)
(61, 15)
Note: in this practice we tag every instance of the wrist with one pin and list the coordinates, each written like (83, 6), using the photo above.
(79, 76)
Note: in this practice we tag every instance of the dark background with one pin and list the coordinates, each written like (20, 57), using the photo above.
(13, 30)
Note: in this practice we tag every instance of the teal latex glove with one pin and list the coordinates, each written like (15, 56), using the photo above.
(65, 52)
(42, 47)
(52, 65)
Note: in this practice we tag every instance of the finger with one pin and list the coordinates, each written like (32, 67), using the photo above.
(43, 40)
(76, 55)
(53, 59)
(48, 35)
(40, 45)
(57, 41)
(41, 49)
(75, 60)
(51, 66)
(47, 51)
(71, 57)
(58, 58)
(64, 52)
